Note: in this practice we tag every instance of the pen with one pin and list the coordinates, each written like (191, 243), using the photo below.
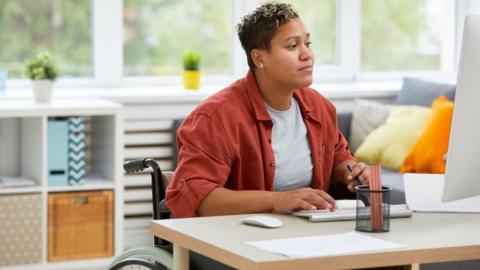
(349, 167)
(362, 196)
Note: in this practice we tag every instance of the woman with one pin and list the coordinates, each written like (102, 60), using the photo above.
(266, 143)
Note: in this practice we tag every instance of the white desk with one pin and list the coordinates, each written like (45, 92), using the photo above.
(429, 238)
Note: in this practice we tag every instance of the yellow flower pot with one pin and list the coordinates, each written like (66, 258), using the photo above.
(191, 79)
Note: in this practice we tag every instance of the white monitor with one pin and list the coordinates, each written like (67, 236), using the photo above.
(462, 175)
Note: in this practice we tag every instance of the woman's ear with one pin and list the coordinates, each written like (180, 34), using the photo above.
(257, 57)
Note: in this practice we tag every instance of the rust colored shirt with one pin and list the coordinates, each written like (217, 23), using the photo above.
(226, 142)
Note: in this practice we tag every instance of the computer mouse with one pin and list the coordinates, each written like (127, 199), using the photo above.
(262, 221)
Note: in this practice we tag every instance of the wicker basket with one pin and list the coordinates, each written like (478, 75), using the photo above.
(80, 225)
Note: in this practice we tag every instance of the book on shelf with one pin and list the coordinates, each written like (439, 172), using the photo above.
(15, 182)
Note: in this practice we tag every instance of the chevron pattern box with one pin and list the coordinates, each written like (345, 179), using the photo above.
(76, 150)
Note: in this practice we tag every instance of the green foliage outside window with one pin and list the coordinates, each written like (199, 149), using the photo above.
(157, 32)
(397, 35)
(62, 27)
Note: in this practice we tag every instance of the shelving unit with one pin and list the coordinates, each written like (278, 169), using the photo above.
(23, 153)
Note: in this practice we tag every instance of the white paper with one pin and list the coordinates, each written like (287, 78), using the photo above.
(439, 207)
(423, 193)
(347, 204)
(315, 246)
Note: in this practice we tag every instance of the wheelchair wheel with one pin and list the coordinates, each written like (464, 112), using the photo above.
(143, 258)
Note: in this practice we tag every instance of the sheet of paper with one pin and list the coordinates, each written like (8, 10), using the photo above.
(347, 204)
(423, 193)
(315, 246)
(440, 207)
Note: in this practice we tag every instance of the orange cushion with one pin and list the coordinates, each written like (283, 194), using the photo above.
(427, 156)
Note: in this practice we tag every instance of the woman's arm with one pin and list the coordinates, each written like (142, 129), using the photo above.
(222, 201)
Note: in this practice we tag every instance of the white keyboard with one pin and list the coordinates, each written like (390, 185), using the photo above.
(396, 211)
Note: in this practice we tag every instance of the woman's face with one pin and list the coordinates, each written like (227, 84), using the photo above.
(290, 59)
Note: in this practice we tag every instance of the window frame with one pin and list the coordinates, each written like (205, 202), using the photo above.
(107, 46)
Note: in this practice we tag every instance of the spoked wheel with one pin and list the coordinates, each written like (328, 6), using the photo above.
(143, 258)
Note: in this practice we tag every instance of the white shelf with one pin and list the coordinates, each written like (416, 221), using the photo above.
(21, 190)
(89, 185)
(97, 263)
(58, 107)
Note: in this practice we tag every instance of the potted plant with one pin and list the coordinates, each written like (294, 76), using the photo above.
(191, 73)
(43, 71)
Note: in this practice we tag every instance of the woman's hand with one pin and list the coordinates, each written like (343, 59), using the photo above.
(358, 174)
(302, 199)
(352, 174)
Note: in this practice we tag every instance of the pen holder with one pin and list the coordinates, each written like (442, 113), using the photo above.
(373, 209)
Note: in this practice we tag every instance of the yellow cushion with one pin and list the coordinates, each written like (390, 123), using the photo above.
(427, 156)
(390, 143)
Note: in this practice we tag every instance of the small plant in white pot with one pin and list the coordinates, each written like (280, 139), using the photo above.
(43, 71)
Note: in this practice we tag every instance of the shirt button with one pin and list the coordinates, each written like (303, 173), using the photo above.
(180, 185)
(272, 163)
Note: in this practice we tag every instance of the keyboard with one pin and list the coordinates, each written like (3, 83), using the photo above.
(342, 214)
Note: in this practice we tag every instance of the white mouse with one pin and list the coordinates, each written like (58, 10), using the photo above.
(262, 221)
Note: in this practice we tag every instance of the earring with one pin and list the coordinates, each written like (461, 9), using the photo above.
(261, 65)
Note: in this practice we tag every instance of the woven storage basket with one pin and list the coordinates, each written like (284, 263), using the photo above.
(80, 225)
(20, 229)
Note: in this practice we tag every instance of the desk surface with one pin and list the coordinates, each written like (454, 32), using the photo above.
(428, 237)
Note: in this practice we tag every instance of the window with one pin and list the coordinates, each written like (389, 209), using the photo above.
(157, 33)
(141, 42)
(62, 27)
(401, 35)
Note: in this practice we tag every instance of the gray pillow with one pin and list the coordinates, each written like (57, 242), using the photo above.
(422, 93)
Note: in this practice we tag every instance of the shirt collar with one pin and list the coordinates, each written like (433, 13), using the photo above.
(259, 108)
(306, 107)
(255, 97)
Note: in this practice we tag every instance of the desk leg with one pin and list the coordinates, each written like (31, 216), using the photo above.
(180, 258)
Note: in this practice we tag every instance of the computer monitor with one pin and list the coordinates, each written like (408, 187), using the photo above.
(462, 175)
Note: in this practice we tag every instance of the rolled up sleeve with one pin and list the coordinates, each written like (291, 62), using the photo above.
(204, 164)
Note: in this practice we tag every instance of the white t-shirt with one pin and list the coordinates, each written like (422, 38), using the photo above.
(291, 149)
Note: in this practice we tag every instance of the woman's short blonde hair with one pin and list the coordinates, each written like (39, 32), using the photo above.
(257, 29)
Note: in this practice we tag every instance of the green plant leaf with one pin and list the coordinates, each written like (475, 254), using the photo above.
(41, 67)
(191, 60)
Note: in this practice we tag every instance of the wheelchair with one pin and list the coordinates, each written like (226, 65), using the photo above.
(159, 256)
